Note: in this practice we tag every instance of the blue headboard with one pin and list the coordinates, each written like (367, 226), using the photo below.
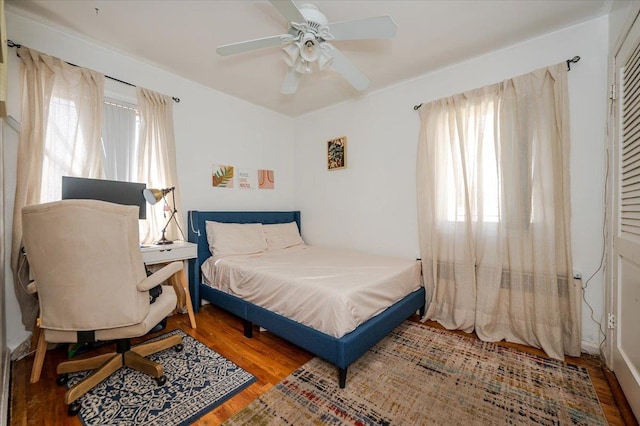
(198, 234)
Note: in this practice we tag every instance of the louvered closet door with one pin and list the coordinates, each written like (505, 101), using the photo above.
(626, 244)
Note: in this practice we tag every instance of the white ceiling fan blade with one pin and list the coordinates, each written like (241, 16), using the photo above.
(378, 27)
(289, 10)
(291, 80)
(244, 46)
(349, 71)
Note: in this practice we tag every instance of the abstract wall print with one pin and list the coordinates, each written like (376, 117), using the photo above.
(266, 179)
(247, 178)
(222, 176)
(337, 153)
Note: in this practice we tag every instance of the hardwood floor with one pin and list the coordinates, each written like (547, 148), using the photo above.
(266, 356)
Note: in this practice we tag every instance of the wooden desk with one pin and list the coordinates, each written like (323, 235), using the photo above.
(179, 250)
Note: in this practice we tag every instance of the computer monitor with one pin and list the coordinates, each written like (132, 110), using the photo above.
(128, 193)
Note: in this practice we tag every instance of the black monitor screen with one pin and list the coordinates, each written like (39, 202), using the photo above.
(128, 193)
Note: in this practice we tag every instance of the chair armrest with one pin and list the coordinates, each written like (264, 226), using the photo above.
(160, 276)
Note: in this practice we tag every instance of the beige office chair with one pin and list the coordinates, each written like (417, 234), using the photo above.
(92, 286)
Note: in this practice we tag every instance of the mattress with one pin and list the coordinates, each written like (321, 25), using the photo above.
(332, 291)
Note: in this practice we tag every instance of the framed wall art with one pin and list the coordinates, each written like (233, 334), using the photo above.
(247, 179)
(266, 179)
(337, 153)
(222, 176)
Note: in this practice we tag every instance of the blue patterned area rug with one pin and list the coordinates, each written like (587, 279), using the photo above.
(198, 380)
(419, 375)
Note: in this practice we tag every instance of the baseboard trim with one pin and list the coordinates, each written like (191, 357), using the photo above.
(5, 388)
(590, 347)
(621, 400)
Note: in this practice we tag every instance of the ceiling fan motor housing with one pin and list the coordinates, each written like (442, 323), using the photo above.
(314, 17)
(308, 36)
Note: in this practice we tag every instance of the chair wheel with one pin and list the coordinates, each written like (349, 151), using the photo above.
(74, 408)
(62, 379)
(179, 347)
(161, 380)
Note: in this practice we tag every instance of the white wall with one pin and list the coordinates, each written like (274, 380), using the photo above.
(371, 205)
(210, 127)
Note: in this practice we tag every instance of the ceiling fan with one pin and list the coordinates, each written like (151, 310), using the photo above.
(307, 42)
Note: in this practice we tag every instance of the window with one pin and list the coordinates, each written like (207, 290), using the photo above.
(119, 145)
(120, 131)
(475, 179)
(482, 192)
(59, 147)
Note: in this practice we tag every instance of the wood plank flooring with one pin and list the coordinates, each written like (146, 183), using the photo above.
(266, 356)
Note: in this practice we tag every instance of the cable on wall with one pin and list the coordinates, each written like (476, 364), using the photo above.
(573, 60)
(191, 222)
(605, 235)
(11, 43)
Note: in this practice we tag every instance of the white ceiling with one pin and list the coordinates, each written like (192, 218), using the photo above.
(181, 37)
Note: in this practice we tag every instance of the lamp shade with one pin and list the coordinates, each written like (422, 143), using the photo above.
(153, 195)
(309, 49)
(291, 53)
(302, 66)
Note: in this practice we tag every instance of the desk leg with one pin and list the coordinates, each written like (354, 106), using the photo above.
(187, 293)
(41, 350)
(181, 286)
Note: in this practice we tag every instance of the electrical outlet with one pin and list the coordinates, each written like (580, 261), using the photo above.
(611, 321)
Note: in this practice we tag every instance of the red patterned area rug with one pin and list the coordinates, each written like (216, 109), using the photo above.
(422, 376)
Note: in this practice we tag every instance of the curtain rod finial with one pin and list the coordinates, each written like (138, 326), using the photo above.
(572, 60)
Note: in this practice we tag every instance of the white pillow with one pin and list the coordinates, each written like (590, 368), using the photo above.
(282, 235)
(235, 238)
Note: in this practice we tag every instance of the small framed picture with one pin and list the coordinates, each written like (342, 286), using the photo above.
(337, 153)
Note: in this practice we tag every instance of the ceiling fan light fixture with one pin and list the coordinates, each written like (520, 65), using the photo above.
(307, 41)
(303, 67)
(291, 53)
(309, 47)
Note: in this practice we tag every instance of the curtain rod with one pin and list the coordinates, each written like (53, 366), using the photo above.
(11, 43)
(573, 60)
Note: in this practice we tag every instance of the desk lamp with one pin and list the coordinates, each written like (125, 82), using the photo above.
(153, 196)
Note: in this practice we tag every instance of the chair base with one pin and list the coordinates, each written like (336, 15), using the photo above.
(107, 364)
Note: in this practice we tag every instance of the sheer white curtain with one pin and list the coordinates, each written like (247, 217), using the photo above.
(157, 162)
(119, 141)
(494, 213)
(61, 121)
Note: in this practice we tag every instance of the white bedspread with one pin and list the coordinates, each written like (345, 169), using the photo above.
(332, 291)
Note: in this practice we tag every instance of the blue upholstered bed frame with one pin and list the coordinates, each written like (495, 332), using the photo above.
(340, 352)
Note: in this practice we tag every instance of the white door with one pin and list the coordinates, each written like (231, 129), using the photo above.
(626, 239)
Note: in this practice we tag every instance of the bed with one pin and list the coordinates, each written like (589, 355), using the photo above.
(340, 349)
